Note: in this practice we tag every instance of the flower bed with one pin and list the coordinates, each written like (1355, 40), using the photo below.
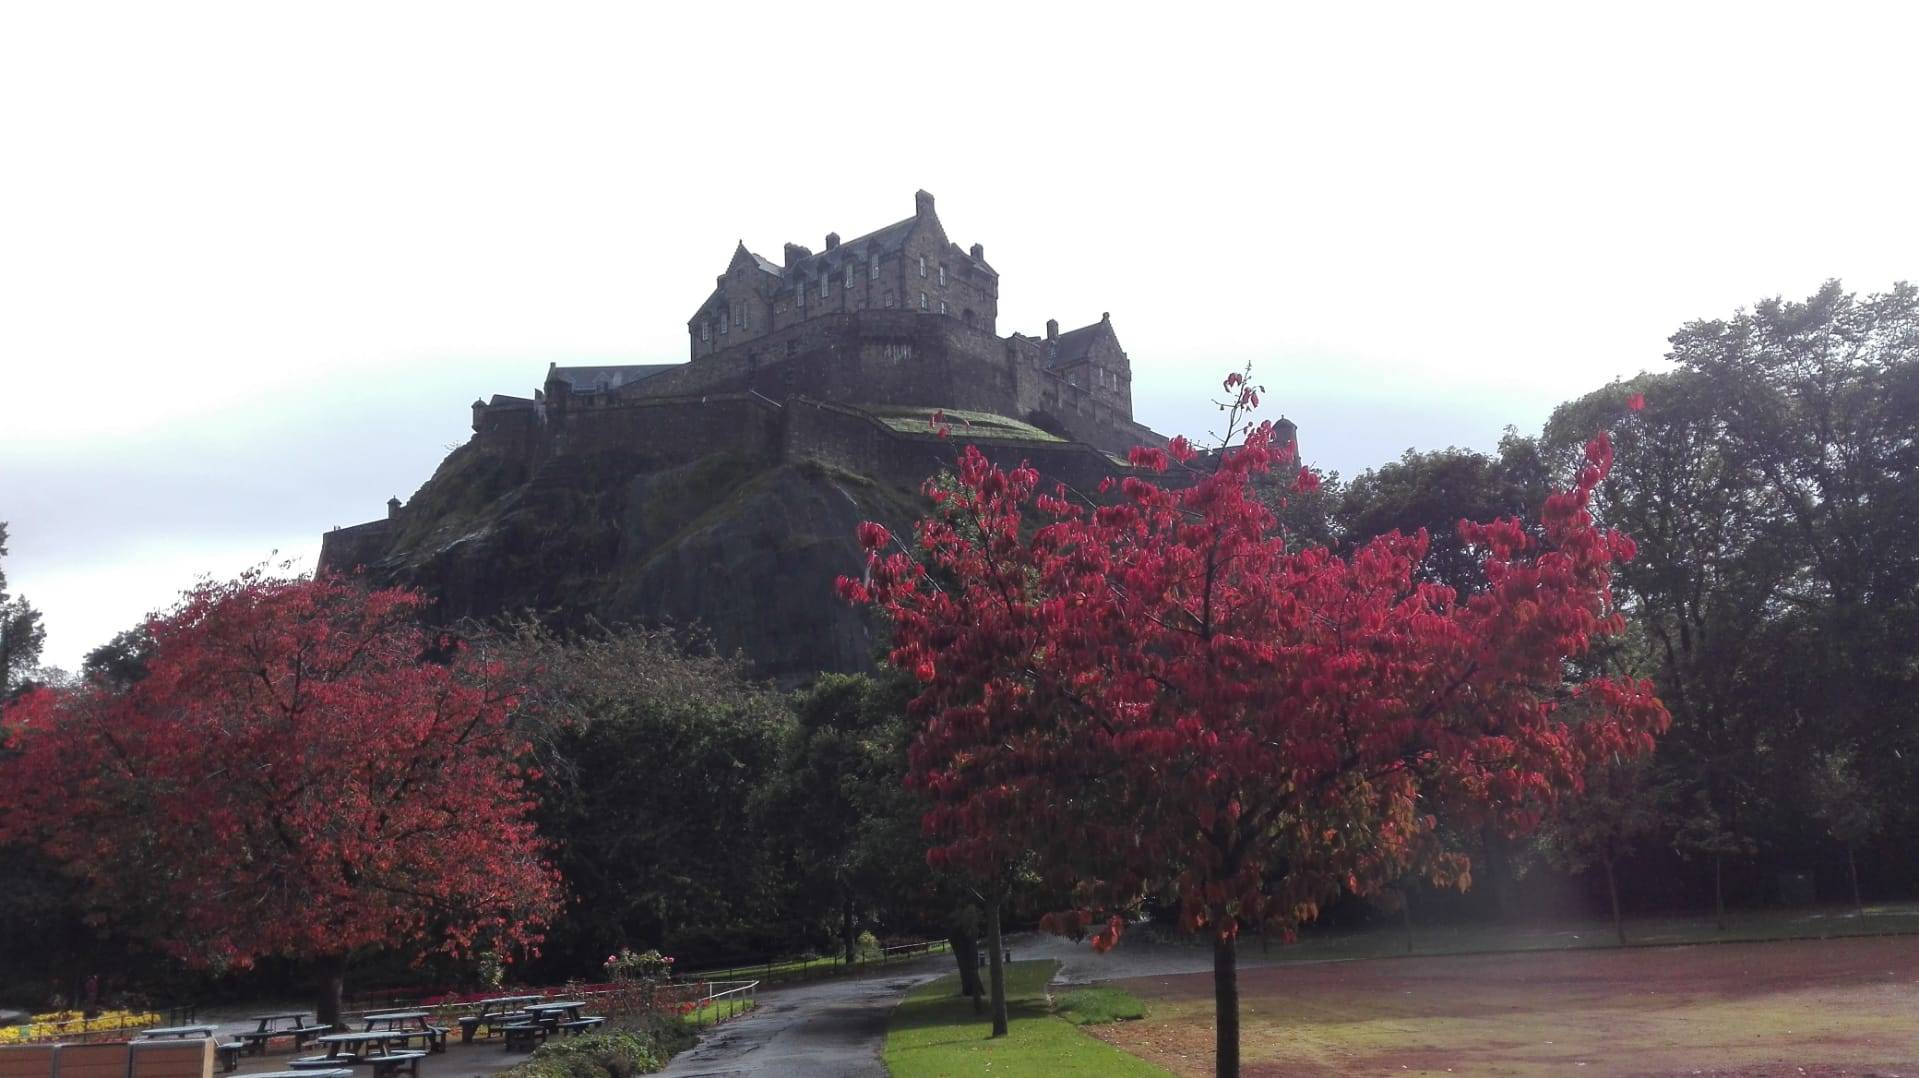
(54, 1025)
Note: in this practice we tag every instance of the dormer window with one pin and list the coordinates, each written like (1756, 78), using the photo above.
(873, 268)
(922, 265)
(942, 276)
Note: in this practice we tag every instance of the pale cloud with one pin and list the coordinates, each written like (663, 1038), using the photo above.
(256, 259)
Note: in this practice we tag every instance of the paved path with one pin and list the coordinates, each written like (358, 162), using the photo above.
(1135, 956)
(826, 1029)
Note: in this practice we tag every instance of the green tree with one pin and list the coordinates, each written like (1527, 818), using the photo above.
(1847, 807)
(1600, 826)
(652, 754)
(21, 634)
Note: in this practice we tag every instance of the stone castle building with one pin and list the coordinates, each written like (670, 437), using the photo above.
(835, 358)
(901, 317)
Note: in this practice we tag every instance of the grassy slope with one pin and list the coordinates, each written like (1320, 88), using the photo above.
(935, 1033)
(964, 425)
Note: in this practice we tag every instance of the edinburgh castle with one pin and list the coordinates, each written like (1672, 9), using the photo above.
(809, 392)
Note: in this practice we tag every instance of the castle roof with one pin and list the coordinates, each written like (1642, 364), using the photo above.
(601, 379)
(1074, 345)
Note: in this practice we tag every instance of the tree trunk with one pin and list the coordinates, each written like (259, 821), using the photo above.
(996, 968)
(1852, 872)
(1501, 878)
(1718, 894)
(332, 988)
(1225, 1008)
(966, 953)
(1406, 916)
(1612, 892)
(847, 938)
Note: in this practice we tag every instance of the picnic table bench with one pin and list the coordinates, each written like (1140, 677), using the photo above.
(409, 1026)
(373, 1048)
(182, 1032)
(495, 1014)
(269, 1026)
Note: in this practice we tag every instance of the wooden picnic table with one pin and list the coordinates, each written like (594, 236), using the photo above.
(397, 1019)
(254, 1041)
(343, 1047)
(158, 1032)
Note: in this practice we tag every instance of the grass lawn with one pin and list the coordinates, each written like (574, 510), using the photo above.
(1825, 1007)
(705, 1016)
(978, 426)
(934, 1033)
(1383, 941)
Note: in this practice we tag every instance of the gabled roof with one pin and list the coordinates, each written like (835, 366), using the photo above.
(601, 379)
(1073, 345)
(886, 240)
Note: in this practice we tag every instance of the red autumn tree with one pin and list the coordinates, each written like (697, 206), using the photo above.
(1161, 696)
(303, 772)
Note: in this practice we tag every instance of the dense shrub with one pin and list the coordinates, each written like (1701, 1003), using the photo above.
(618, 1054)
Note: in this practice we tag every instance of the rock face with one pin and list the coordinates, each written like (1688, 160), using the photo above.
(744, 547)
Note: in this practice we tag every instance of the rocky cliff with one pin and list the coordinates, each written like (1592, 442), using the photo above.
(746, 547)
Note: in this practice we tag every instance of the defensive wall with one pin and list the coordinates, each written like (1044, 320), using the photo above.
(898, 357)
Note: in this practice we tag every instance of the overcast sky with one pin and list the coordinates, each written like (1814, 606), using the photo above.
(256, 259)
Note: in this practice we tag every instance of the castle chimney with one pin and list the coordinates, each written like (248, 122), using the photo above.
(979, 252)
(1052, 329)
(794, 252)
(922, 204)
(832, 240)
(392, 508)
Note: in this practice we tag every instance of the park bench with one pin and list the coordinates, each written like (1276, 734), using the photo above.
(394, 1062)
(524, 1037)
(580, 1025)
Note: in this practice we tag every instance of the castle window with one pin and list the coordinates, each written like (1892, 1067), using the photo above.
(824, 282)
(799, 295)
(922, 301)
(942, 306)
(722, 321)
(873, 267)
(849, 274)
(922, 265)
(942, 276)
(706, 331)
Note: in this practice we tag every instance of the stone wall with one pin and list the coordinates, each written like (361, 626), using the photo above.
(900, 358)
